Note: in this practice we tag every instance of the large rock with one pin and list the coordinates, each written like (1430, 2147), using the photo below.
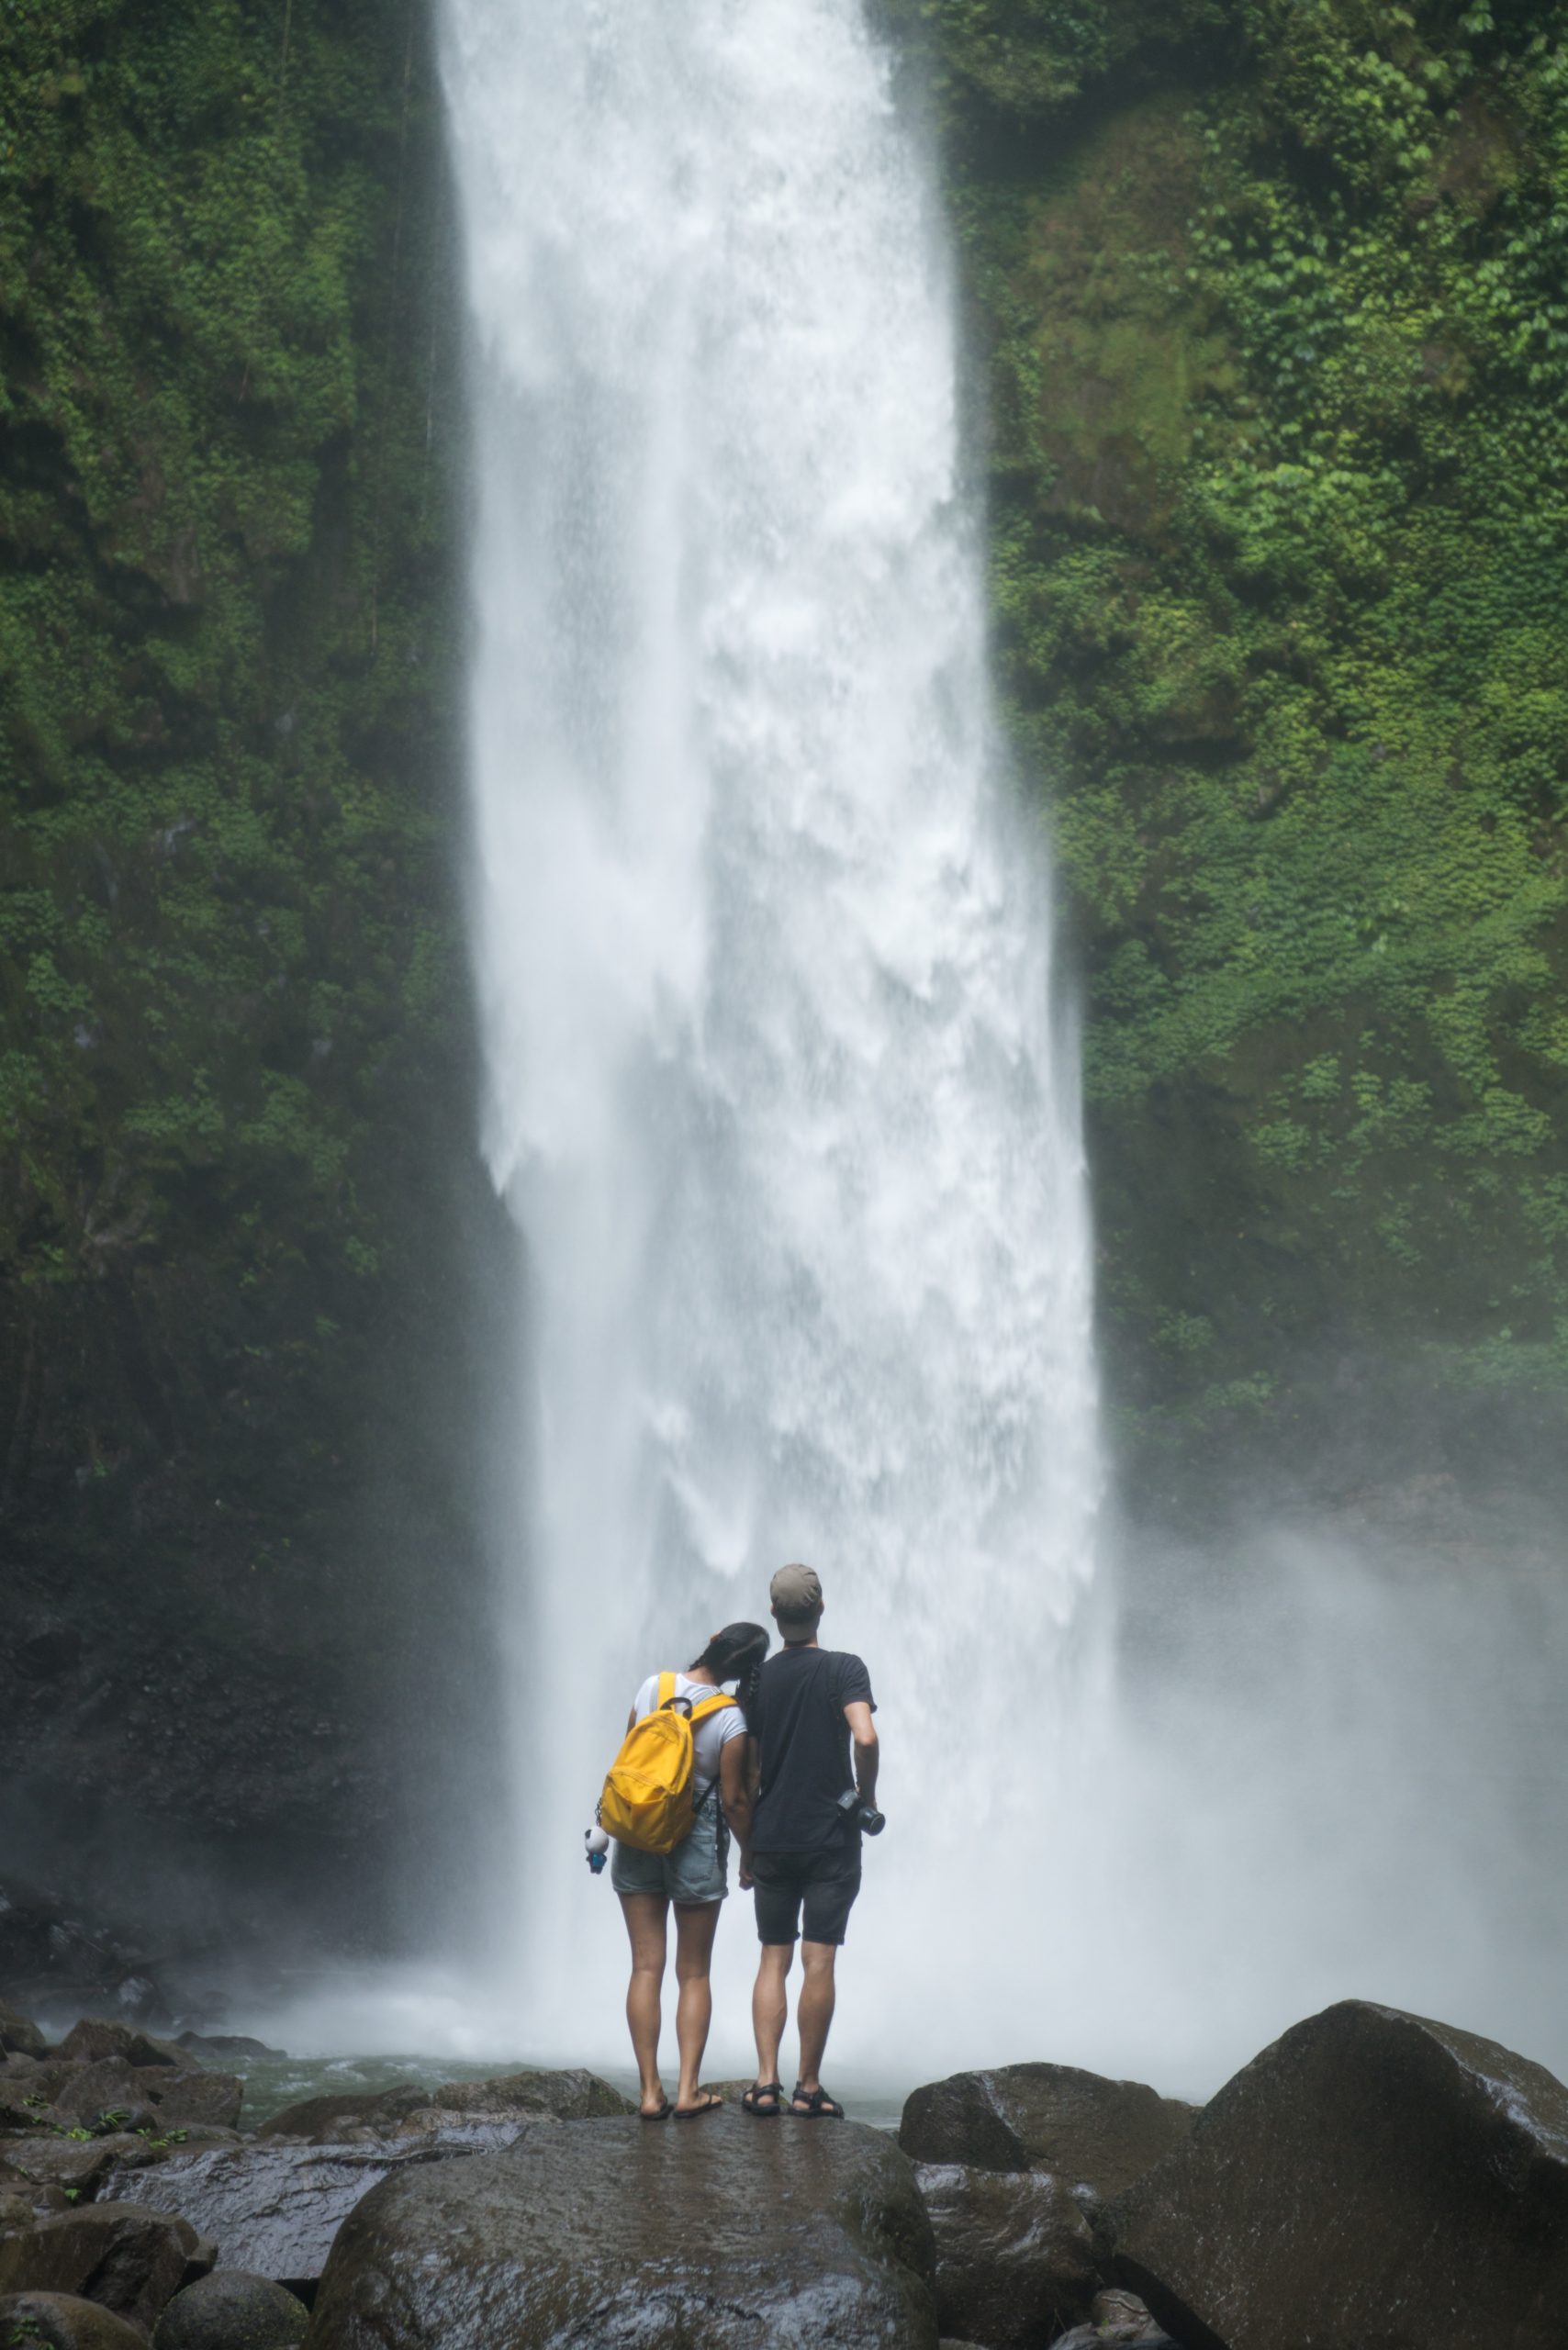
(354, 2116)
(29, 2088)
(148, 2096)
(47, 2160)
(132, 2261)
(1015, 2255)
(1089, 2131)
(232, 2310)
(1117, 2320)
(19, 2036)
(272, 2209)
(727, 2234)
(62, 2322)
(90, 2092)
(95, 2037)
(1370, 2179)
(221, 2047)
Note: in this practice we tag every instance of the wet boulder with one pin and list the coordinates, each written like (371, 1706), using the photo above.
(62, 2321)
(232, 2310)
(1370, 2177)
(1117, 2320)
(1015, 2255)
(48, 2160)
(272, 2209)
(131, 2261)
(147, 2097)
(89, 2093)
(1087, 2131)
(198, 2101)
(19, 2036)
(723, 2235)
(28, 2086)
(220, 2048)
(98, 2037)
(354, 2116)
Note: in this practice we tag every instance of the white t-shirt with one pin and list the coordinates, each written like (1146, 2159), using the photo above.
(709, 1737)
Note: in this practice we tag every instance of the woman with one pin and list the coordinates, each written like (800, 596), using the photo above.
(692, 1877)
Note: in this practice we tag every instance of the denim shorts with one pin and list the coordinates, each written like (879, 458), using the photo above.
(695, 1871)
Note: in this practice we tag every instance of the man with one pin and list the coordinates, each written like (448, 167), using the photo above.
(811, 1712)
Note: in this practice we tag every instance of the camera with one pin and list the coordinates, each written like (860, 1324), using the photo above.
(869, 1821)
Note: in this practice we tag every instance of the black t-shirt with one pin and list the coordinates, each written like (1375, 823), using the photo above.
(798, 1722)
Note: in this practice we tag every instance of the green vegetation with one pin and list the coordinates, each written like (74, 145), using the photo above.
(1275, 296)
(232, 1007)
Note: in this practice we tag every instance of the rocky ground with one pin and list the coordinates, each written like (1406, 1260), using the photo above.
(1370, 2179)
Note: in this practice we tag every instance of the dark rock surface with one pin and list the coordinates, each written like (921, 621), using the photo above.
(95, 2037)
(27, 2087)
(1117, 2320)
(1370, 2179)
(711, 2238)
(232, 2310)
(1102, 2134)
(46, 2159)
(1015, 2255)
(220, 2048)
(357, 2116)
(62, 2322)
(19, 2036)
(111, 2086)
(131, 2261)
(148, 2096)
(55, 1960)
(273, 2209)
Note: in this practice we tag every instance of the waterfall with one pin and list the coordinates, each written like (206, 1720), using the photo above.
(761, 931)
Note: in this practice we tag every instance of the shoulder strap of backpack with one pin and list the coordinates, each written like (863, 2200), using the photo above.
(666, 1690)
(712, 1705)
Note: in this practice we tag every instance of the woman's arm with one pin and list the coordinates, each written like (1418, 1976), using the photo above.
(735, 1795)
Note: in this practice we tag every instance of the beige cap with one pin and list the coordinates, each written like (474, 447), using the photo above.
(796, 1590)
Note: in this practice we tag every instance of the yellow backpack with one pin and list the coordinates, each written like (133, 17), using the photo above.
(648, 1799)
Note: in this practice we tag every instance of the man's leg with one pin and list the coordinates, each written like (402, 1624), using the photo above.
(814, 2013)
(647, 1915)
(695, 1926)
(770, 2007)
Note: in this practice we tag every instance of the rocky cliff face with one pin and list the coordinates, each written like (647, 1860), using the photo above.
(236, 1181)
(1271, 315)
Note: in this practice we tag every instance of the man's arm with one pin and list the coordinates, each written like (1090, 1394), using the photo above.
(738, 1777)
(866, 1753)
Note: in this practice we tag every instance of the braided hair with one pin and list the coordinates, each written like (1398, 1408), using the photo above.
(736, 1654)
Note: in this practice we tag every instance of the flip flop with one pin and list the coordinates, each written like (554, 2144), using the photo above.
(663, 2114)
(711, 2103)
(818, 2106)
(752, 2101)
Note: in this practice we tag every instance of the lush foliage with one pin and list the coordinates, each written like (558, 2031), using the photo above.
(229, 992)
(1276, 296)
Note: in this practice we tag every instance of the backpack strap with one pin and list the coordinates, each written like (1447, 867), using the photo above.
(666, 1690)
(712, 1705)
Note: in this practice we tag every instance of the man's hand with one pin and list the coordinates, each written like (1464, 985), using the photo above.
(744, 1874)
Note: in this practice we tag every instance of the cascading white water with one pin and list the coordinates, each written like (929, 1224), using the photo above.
(762, 948)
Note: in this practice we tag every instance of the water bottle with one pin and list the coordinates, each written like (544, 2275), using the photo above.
(596, 1847)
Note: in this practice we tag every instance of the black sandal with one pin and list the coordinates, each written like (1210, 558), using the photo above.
(818, 2106)
(711, 2103)
(663, 2113)
(752, 2101)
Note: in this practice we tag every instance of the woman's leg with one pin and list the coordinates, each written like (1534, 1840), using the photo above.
(647, 1915)
(696, 1924)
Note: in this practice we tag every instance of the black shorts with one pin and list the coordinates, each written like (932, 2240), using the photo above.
(825, 1881)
